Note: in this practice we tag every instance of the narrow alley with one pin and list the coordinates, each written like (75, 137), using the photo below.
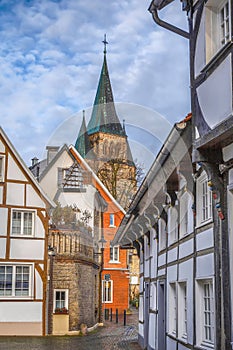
(111, 336)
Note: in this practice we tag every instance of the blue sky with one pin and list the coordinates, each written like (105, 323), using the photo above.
(51, 54)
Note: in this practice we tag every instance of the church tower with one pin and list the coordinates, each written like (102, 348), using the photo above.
(104, 144)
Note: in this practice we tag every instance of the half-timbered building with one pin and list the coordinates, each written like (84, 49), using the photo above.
(24, 224)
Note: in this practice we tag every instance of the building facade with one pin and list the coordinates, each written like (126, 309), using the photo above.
(24, 217)
(86, 214)
(190, 304)
(160, 225)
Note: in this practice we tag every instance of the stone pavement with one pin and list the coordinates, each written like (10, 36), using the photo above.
(111, 336)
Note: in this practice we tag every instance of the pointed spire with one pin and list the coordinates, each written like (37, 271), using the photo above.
(104, 117)
(82, 143)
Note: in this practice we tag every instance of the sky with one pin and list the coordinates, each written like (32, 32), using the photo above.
(51, 54)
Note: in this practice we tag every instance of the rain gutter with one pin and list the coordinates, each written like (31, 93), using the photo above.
(153, 10)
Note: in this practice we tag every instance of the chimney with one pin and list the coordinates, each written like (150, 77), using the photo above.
(34, 161)
(51, 152)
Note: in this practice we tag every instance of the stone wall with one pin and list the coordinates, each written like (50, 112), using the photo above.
(74, 269)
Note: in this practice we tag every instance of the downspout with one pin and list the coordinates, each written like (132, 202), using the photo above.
(153, 10)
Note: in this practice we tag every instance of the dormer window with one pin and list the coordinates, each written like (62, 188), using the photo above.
(72, 178)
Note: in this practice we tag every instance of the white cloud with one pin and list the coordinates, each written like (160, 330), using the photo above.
(51, 57)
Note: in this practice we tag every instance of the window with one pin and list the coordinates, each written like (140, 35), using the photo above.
(204, 200)
(182, 303)
(107, 291)
(112, 220)
(1, 169)
(224, 23)
(60, 299)
(22, 223)
(172, 308)
(114, 254)
(72, 178)
(172, 225)
(15, 280)
(205, 313)
(162, 234)
(217, 26)
(153, 296)
(186, 214)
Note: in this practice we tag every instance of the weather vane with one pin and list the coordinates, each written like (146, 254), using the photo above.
(105, 44)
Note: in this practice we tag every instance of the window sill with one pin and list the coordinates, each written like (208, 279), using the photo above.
(215, 57)
(22, 236)
(11, 297)
(203, 223)
(114, 262)
(205, 346)
(112, 226)
(107, 302)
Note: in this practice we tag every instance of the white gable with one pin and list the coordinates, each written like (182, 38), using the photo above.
(33, 198)
(2, 147)
(14, 172)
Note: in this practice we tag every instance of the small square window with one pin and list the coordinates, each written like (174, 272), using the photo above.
(60, 300)
(22, 223)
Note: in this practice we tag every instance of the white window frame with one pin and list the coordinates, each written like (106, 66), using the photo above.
(153, 296)
(204, 200)
(114, 254)
(107, 298)
(112, 220)
(2, 168)
(214, 40)
(172, 225)
(183, 310)
(22, 233)
(13, 289)
(162, 233)
(205, 318)
(186, 214)
(172, 309)
(66, 303)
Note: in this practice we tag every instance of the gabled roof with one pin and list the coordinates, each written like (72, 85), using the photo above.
(96, 180)
(25, 168)
(53, 161)
(104, 117)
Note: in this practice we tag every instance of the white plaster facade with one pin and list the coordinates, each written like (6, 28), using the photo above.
(23, 246)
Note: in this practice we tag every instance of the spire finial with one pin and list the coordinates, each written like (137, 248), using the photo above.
(105, 44)
(83, 113)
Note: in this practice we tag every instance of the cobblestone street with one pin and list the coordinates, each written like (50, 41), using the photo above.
(111, 336)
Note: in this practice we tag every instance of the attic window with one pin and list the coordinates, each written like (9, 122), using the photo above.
(72, 178)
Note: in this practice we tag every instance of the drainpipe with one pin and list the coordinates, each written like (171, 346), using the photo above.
(153, 10)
